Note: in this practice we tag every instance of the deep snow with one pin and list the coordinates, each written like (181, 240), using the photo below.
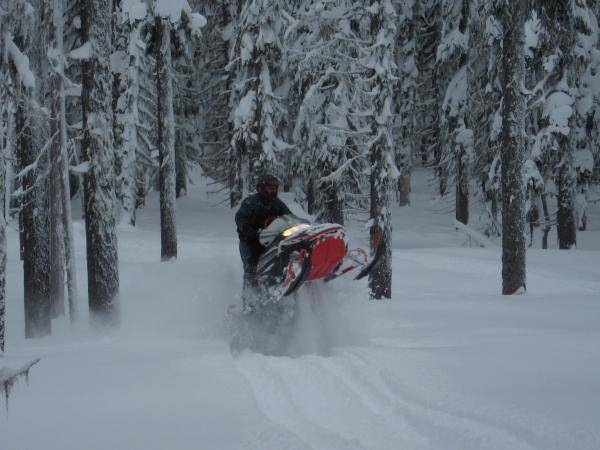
(447, 364)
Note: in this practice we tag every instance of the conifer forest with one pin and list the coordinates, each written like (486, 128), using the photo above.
(457, 141)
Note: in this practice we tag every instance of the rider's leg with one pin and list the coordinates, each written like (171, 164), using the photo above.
(250, 286)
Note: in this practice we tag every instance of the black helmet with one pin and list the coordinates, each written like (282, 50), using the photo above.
(266, 180)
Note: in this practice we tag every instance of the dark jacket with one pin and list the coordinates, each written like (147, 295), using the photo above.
(255, 214)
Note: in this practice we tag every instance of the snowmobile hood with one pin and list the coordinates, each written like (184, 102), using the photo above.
(283, 226)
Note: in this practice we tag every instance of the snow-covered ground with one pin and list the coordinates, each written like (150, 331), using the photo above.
(447, 364)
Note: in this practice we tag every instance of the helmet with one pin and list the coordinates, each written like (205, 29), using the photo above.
(266, 180)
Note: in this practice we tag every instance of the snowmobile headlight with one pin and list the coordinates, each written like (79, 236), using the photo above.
(291, 230)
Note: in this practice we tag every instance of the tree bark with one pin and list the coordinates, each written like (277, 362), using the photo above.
(3, 146)
(566, 225)
(180, 163)
(97, 149)
(404, 184)
(166, 140)
(57, 256)
(65, 185)
(462, 188)
(381, 156)
(513, 147)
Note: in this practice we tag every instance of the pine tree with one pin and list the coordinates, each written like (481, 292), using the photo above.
(585, 65)
(128, 115)
(381, 73)
(168, 22)
(97, 150)
(405, 99)
(212, 83)
(52, 97)
(327, 158)
(61, 153)
(457, 147)
(483, 108)
(512, 15)
(427, 100)
(258, 138)
(31, 149)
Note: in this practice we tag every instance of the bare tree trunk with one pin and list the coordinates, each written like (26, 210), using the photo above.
(57, 257)
(166, 140)
(380, 280)
(547, 226)
(404, 183)
(513, 151)
(180, 163)
(65, 186)
(462, 188)
(2, 264)
(97, 150)
(3, 146)
(334, 205)
(566, 226)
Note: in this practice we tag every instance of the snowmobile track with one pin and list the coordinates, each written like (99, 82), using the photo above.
(345, 401)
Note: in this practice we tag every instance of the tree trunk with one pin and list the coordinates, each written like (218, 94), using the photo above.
(3, 146)
(462, 188)
(547, 226)
(35, 231)
(57, 257)
(97, 150)
(180, 164)
(128, 173)
(334, 205)
(428, 37)
(65, 185)
(566, 226)
(166, 140)
(404, 188)
(513, 148)
(381, 155)
(380, 280)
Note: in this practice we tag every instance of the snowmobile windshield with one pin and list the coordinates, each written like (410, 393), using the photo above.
(285, 226)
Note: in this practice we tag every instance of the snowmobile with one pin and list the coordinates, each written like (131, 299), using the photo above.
(298, 252)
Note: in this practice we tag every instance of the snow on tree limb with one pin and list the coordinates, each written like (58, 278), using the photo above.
(479, 238)
(175, 9)
(21, 62)
(85, 52)
(134, 10)
(8, 377)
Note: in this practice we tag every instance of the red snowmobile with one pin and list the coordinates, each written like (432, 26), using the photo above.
(296, 252)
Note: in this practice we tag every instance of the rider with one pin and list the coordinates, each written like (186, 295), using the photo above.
(256, 212)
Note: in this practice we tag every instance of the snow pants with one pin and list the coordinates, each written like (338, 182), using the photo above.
(250, 255)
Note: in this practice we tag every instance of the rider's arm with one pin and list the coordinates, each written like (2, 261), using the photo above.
(243, 220)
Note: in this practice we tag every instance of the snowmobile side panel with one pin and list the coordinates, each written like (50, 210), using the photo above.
(367, 269)
(326, 255)
(302, 276)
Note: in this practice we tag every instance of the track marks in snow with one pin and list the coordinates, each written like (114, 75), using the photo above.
(316, 402)
(347, 401)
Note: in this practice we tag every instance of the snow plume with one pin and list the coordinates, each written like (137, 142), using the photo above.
(326, 320)
(21, 62)
(313, 321)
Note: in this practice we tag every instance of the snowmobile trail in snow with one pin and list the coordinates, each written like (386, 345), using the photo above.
(345, 401)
